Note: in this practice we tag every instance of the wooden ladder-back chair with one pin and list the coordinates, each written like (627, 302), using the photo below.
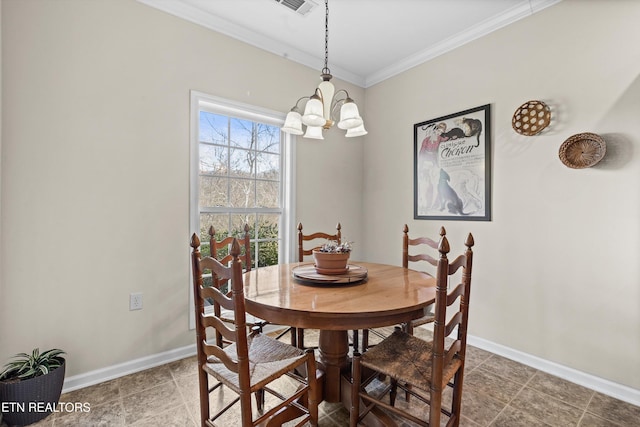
(315, 239)
(412, 363)
(429, 244)
(220, 250)
(407, 257)
(253, 361)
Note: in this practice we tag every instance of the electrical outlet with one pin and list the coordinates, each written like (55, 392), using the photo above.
(135, 301)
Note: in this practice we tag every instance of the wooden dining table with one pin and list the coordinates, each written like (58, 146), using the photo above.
(390, 295)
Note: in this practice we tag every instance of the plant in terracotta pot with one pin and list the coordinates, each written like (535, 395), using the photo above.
(30, 386)
(332, 257)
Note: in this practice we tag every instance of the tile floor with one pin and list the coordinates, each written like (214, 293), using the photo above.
(498, 392)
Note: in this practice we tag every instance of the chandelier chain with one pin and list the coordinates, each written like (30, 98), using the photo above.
(325, 70)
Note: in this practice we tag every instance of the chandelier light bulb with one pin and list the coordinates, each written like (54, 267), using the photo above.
(313, 112)
(314, 132)
(349, 115)
(357, 131)
(293, 123)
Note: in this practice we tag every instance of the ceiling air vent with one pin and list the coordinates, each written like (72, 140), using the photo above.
(301, 6)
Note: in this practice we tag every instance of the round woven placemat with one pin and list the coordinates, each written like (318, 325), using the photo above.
(531, 117)
(582, 150)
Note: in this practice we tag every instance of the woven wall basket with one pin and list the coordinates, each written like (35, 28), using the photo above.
(582, 150)
(531, 117)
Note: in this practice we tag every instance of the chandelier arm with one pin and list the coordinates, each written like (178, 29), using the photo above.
(337, 102)
(295, 107)
(319, 94)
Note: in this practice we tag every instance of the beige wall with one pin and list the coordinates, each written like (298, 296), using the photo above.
(556, 271)
(95, 171)
(95, 179)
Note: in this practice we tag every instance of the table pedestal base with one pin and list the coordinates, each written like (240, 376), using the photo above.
(334, 359)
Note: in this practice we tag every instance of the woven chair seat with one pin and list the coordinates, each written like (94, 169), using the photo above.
(268, 359)
(408, 359)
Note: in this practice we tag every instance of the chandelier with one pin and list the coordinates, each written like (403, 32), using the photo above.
(320, 108)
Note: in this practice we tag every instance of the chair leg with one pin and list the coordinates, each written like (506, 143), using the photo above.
(204, 396)
(260, 401)
(355, 340)
(300, 338)
(312, 399)
(356, 375)
(394, 392)
(294, 336)
(435, 406)
(457, 396)
(365, 340)
(408, 328)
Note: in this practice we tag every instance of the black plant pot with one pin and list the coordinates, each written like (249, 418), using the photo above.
(31, 400)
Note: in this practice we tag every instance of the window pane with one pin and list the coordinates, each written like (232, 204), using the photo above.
(267, 253)
(268, 226)
(237, 224)
(213, 191)
(242, 133)
(220, 223)
(268, 138)
(268, 194)
(242, 193)
(242, 163)
(268, 166)
(214, 159)
(213, 128)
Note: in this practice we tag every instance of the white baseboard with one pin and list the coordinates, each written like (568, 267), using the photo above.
(111, 372)
(592, 382)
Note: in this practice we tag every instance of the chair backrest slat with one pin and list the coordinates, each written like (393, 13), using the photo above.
(215, 294)
(457, 263)
(425, 242)
(212, 321)
(302, 238)
(455, 293)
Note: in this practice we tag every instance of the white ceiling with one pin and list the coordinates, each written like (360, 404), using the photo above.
(369, 40)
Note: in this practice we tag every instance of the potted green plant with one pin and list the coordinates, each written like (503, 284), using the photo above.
(332, 257)
(30, 386)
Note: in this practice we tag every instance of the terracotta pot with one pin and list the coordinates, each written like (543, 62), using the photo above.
(331, 261)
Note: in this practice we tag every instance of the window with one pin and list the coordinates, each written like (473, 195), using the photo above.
(241, 173)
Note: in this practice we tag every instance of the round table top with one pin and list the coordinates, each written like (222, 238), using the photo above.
(390, 295)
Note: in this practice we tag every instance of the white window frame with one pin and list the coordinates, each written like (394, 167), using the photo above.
(202, 101)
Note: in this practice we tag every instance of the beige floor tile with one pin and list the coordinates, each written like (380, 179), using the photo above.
(110, 414)
(135, 383)
(560, 389)
(546, 408)
(590, 420)
(151, 401)
(482, 381)
(508, 369)
(512, 417)
(621, 413)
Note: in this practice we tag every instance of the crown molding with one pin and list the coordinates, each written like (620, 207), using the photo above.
(522, 10)
(190, 13)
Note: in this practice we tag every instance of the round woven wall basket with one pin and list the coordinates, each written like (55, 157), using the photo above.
(582, 150)
(531, 118)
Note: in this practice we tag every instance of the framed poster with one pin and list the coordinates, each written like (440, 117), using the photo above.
(452, 166)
